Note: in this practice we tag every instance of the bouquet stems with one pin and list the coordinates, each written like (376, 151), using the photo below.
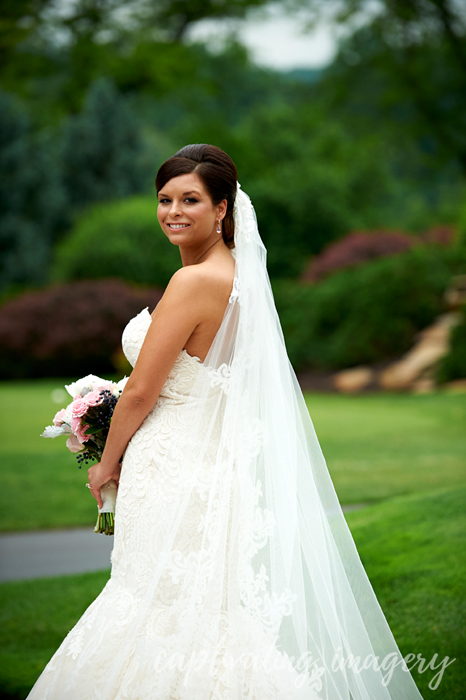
(106, 518)
(105, 524)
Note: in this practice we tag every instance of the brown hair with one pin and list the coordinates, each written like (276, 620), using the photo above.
(216, 170)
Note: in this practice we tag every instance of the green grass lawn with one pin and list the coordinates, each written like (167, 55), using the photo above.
(376, 446)
(35, 617)
(382, 445)
(413, 549)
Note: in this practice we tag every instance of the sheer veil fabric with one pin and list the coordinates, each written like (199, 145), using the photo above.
(256, 590)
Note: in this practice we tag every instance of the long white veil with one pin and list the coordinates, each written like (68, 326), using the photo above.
(259, 591)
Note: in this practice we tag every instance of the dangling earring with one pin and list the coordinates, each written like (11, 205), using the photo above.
(219, 227)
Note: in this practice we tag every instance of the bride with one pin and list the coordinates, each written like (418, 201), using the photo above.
(234, 574)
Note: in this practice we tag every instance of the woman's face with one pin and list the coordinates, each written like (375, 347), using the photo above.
(186, 212)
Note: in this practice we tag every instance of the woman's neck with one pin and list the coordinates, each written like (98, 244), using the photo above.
(194, 256)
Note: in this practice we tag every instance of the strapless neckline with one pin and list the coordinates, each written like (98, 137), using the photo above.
(183, 351)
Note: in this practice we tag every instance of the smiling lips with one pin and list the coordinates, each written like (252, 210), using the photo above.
(177, 226)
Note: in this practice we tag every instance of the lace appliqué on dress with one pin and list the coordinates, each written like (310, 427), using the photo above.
(220, 377)
(235, 291)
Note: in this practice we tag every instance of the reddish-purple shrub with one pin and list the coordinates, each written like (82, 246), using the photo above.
(354, 249)
(443, 235)
(70, 329)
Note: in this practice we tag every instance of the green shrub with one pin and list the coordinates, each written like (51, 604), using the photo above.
(118, 239)
(364, 314)
(453, 365)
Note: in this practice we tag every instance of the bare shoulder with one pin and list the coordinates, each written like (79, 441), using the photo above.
(183, 284)
(188, 277)
(207, 280)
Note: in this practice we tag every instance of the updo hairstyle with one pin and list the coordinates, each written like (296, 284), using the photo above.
(216, 170)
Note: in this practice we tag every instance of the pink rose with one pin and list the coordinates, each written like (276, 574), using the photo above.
(75, 423)
(73, 444)
(93, 398)
(59, 417)
(79, 432)
(78, 429)
(79, 407)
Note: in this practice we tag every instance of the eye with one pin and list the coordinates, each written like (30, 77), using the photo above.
(166, 200)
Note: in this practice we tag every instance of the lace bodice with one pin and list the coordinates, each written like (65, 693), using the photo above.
(185, 370)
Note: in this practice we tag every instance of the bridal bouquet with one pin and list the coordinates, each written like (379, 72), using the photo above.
(86, 422)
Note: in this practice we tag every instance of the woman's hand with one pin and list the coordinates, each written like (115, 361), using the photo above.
(100, 474)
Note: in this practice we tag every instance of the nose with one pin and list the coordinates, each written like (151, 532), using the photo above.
(175, 209)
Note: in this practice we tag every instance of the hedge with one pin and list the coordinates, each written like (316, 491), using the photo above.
(358, 248)
(68, 330)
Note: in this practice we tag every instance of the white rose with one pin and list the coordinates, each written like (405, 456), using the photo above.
(53, 431)
(83, 386)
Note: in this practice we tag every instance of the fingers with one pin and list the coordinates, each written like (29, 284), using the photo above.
(96, 494)
(97, 478)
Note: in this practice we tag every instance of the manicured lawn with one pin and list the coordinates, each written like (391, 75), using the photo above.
(376, 446)
(35, 617)
(382, 445)
(413, 549)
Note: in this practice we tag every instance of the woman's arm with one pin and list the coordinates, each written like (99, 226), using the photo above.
(182, 307)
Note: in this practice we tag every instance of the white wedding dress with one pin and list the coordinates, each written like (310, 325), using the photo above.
(234, 573)
(147, 502)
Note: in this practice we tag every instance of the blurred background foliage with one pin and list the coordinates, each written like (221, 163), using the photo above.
(96, 94)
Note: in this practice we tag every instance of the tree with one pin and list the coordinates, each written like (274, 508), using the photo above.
(51, 50)
(177, 15)
(110, 21)
(32, 202)
(19, 19)
(103, 150)
(417, 49)
(310, 183)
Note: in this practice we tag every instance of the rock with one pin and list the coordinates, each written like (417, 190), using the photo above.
(455, 295)
(354, 379)
(425, 385)
(456, 386)
(432, 345)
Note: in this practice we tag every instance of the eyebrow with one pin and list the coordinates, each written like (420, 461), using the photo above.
(184, 193)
